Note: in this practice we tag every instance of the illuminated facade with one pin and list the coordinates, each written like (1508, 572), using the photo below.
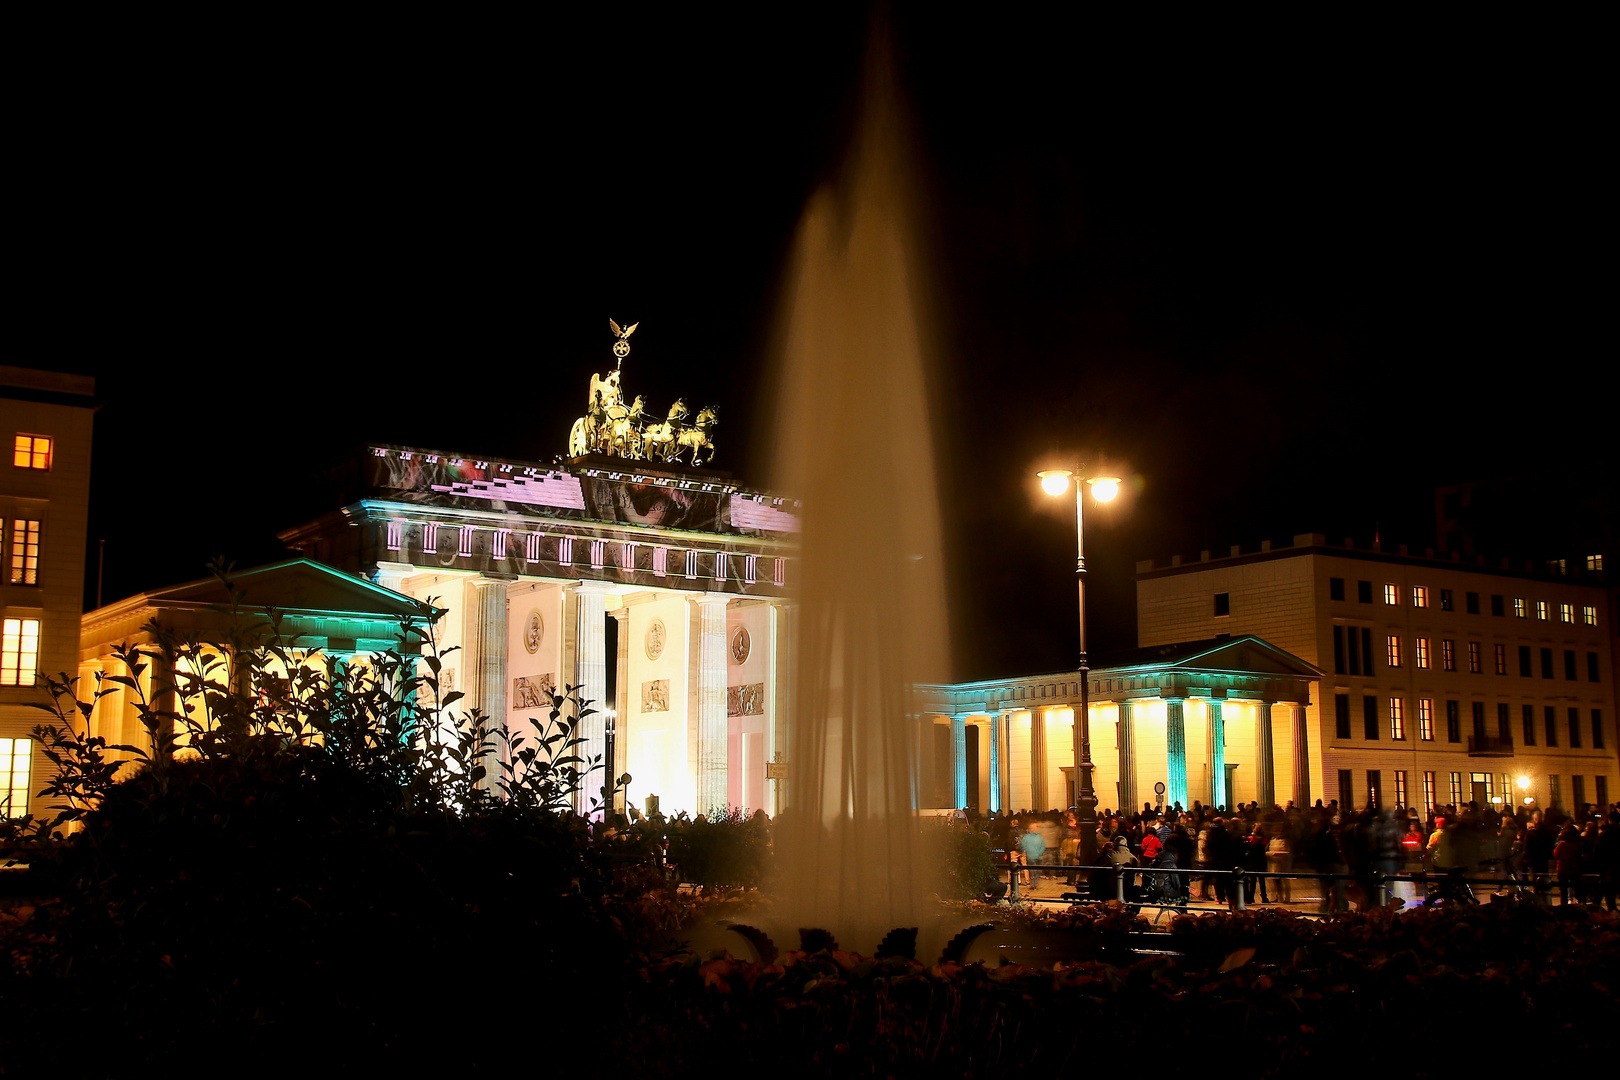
(1216, 721)
(659, 589)
(45, 418)
(1444, 681)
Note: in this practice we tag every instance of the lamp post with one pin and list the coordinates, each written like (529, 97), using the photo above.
(1103, 488)
(610, 719)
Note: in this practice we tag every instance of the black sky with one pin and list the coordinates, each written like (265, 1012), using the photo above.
(1295, 274)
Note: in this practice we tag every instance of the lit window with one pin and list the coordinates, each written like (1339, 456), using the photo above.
(1589, 615)
(1397, 718)
(1541, 610)
(1557, 566)
(32, 452)
(1392, 595)
(24, 552)
(1420, 650)
(1394, 651)
(1426, 719)
(1456, 789)
(1476, 658)
(1566, 612)
(15, 756)
(19, 652)
(1400, 787)
(1501, 659)
(1428, 791)
(1448, 656)
(1594, 562)
(1420, 596)
(1518, 606)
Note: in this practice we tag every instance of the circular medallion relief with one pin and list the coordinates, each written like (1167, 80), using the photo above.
(655, 639)
(740, 644)
(533, 630)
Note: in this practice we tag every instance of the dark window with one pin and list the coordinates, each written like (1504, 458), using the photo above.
(1602, 785)
(1597, 735)
(1369, 717)
(1549, 723)
(1569, 665)
(1575, 728)
(1335, 588)
(1473, 603)
(1347, 792)
(1529, 725)
(1577, 788)
(1504, 722)
(1453, 722)
(1341, 715)
(1525, 667)
(1498, 608)
(1364, 592)
(1445, 599)
(1223, 604)
(1366, 649)
(1546, 664)
(1592, 667)
(1479, 721)
(1355, 654)
(1338, 650)
(1375, 787)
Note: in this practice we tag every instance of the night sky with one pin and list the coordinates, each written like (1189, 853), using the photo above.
(1294, 275)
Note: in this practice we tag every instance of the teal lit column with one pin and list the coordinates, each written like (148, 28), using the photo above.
(1216, 752)
(1175, 737)
(1263, 755)
(998, 724)
(959, 762)
(1127, 758)
(1302, 759)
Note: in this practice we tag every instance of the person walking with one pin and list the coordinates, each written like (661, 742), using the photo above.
(1280, 860)
(1567, 858)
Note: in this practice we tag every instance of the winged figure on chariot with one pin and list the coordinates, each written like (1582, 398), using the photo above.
(614, 429)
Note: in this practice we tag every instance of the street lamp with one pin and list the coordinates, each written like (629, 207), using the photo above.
(610, 719)
(1103, 488)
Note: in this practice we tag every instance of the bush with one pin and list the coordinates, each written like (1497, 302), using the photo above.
(970, 868)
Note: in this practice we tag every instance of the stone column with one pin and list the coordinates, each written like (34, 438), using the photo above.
(392, 575)
(959, 762)
(621, 703)
(997, 725)
(1216, 740)
(1175, 732)
(1263, 755)
(1127, 759)
(483, 646)
(712, 767)
(590, 675)
(1037, 760)
(783, 621)
(1302, 759)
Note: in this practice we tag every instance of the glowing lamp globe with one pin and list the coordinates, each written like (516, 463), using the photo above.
(1524, 783)
(1104, 488)
(1054, 481)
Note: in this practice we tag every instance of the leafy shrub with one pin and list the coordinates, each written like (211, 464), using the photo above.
(970, 868)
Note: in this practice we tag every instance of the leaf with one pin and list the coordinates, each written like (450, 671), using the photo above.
(1237, 958)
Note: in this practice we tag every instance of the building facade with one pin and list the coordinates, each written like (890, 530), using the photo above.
(46, 419)
(1445, 681)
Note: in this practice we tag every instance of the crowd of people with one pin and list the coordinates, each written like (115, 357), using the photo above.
(1530, 850)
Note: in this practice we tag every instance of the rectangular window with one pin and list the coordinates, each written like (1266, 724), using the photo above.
(1555, 789)
(32, 452)
(1400, 787)
(1445, 599)
(16, 755)
(1592, 667)
(1364, 592)
(1476, 661)
(1478, 710)
(1428, 791)
(1478, 781)
(1594, 563)
(1397, 718)
(1341, 715)
(19, 652)
(1575, 728)
(1588, 614)
(1597, 732)
(1420, 596)
(1473, 603)
(1566, 612)
(1420, 652)
(1601, 783)
(1496, 605)
(1504, 722)
(1549, 724)
(1394, 646)
(1456, 789)
(1366, 650)
(1518, 607)
(1375, 788)
(1369, 718)
(1541, 610)
(1569, 664)
(1355, 654)
(1453, 721)
(1392, 595)
(1500, 652)
(1223, 604)
(1546, 664)
(1448, 655)
(1528, 715)
(1426, 719)
(1338, 650)
(1577, 788)
(1336, 588)
(1526, 669)
(24, 552)
(1347, 791)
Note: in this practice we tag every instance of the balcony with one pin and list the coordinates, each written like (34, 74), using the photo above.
(1486, 746)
